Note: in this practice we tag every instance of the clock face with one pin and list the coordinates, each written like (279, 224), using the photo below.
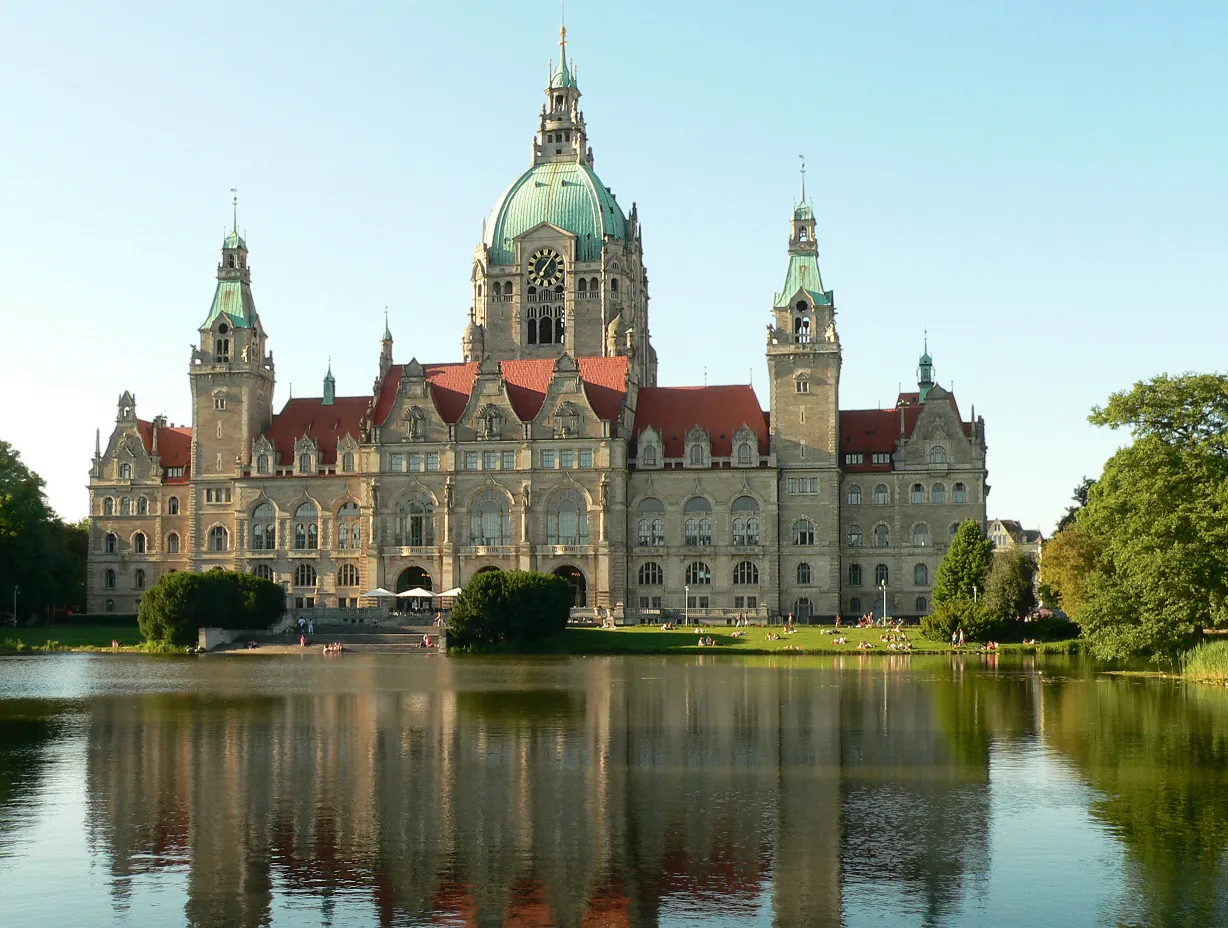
(546, 268)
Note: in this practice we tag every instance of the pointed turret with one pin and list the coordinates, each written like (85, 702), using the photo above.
(925, 372)
(561, 135)
(803, 271)
(385, 348)
(330, 386)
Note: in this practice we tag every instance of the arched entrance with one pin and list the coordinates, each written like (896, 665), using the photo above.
(801, 610)
(578, 586)
(485, 570)
(413, 577)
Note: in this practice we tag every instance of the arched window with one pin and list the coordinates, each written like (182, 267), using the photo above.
(651, 574)
(922, 608)
(415, 522)
(111, 544)
(952, 529)
(651, 522)
(498, 290)
(138, 579)
(125, 506)
(263, 571)
(854, 494)
(882, 536)
(881, 575)
(938, 494)
(959, 494)
(544, 331)
(304, 462)
(921, 535)
(347, 575)
(264, 527)
(744, 453)
(802, 608)
(938, 455)
(881, 496)
(614, 284)
(172, 543)
(567, 520)
(593, 285)
(349, 531)
(490, 522)
(125, 471)
(745, 521)
(307, 527)
(262, 464)
(698, 574)
(347, 462)
(698, 525)
(582, 286)
(108, 506)
(650, 455)
(803, 533)
(921, 575)
(108, 579)
(746, 573)
(142, 506)
(916, 495)
(219, 538)
(138, 543)
(854, 575)
(172, 506)
(854, 536)
(304, 575)
(803, 574)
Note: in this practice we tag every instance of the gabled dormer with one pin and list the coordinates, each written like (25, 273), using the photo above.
(697, 448)
(745, 447)
(650, 450)
(306, 456)
(264, 457)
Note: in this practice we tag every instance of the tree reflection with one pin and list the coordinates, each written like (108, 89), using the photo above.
(26, 730)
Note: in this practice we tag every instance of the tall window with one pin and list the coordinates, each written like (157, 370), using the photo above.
(567, 520)
(921, 605)
(219, 538)
(138, 543)
(746, 573)
(698, 574)
(651, 574)
(415, 522)
(307, 527)
(347, 462)
(855, 605)
(349, 526)
(347, 575)
(744, 454)
(698, 524)
(803, 533)
(262, 464)
(108, 579)
(112, 544)
(138, 579)
(803, 574)
(959, 494)
(490, 522)
(882, 536)
(108, 506)
(938, 455)
(921, 575)
(745, 520)
(938, 494)
(854, 536)
(697, 455)
(172, 543)
(125, 471)
(263, 571)
(880, 575)
(650, 456)
(881, 497)
(854, 575)
(921, 535)
(651, 522)
(304, 575)
(264, 527)
(125, 506)
(172, 506)
(142, 506)
(854, 495)
(916, 496)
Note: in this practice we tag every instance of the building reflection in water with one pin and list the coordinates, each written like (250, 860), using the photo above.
(588, 792)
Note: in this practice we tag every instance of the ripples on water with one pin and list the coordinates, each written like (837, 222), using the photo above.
(616, 791)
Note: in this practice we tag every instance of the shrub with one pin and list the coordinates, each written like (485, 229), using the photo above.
(975, 618)
(1208, 661)
(179, 604)
(498, 606)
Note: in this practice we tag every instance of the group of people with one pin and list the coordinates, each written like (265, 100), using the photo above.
(334, 648)
(706, 642)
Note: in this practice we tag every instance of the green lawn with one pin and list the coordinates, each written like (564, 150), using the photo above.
(69, 636)
(649, 639)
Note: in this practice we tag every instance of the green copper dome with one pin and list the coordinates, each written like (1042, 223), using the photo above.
(564, 194)
(234, 240)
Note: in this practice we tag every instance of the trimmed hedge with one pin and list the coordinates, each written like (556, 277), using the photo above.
(517, 605)
(181, 603)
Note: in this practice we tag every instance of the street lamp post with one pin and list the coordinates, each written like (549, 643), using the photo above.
(974, 592)
(686, 605)
(883, 586)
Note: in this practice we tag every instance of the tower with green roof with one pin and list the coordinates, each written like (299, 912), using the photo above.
(560, 265)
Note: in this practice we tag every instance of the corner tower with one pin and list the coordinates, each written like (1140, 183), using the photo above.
(560, 266)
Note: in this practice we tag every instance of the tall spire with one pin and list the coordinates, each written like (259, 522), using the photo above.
(925, 371)
(803, 169)
(387, 331)
(330, 386)
(234, 203)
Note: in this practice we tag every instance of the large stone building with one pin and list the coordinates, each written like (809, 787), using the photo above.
(549, 445)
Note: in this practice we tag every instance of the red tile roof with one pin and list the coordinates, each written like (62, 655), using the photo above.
(673, 411)
(326, 425)
(174, 447)
(877, 430)
(605, 384)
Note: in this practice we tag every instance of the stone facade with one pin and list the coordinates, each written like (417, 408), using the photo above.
(549, 446)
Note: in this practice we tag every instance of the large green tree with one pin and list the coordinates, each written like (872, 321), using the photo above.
(964, 567)
(1009, 590)
(1080, 500)
(175, 608)
(1067, 559)
(513, 606)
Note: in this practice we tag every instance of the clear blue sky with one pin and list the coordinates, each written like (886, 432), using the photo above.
(1042, 186)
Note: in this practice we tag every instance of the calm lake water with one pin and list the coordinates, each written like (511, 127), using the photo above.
(385, 790)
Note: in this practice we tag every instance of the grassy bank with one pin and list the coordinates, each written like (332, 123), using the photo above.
(1207, 663)
(647, 639)
(69, 638)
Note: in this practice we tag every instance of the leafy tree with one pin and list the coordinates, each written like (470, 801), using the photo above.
(1189, 411)
(513, 606)
(1069, 556)
(974, 617)
(1009, 590)
(964, 566)
(1080, 499)
(175, 608)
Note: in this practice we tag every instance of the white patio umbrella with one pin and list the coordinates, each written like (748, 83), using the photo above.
(455, 591)
(380, 593)
(416, 593)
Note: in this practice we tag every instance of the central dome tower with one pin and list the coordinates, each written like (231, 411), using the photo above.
(560, 266)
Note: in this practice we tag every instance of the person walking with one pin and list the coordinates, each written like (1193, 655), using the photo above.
(311, 628)
(961, 637)
(954, 637)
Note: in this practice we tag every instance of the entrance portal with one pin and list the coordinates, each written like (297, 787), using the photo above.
(578, 587)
